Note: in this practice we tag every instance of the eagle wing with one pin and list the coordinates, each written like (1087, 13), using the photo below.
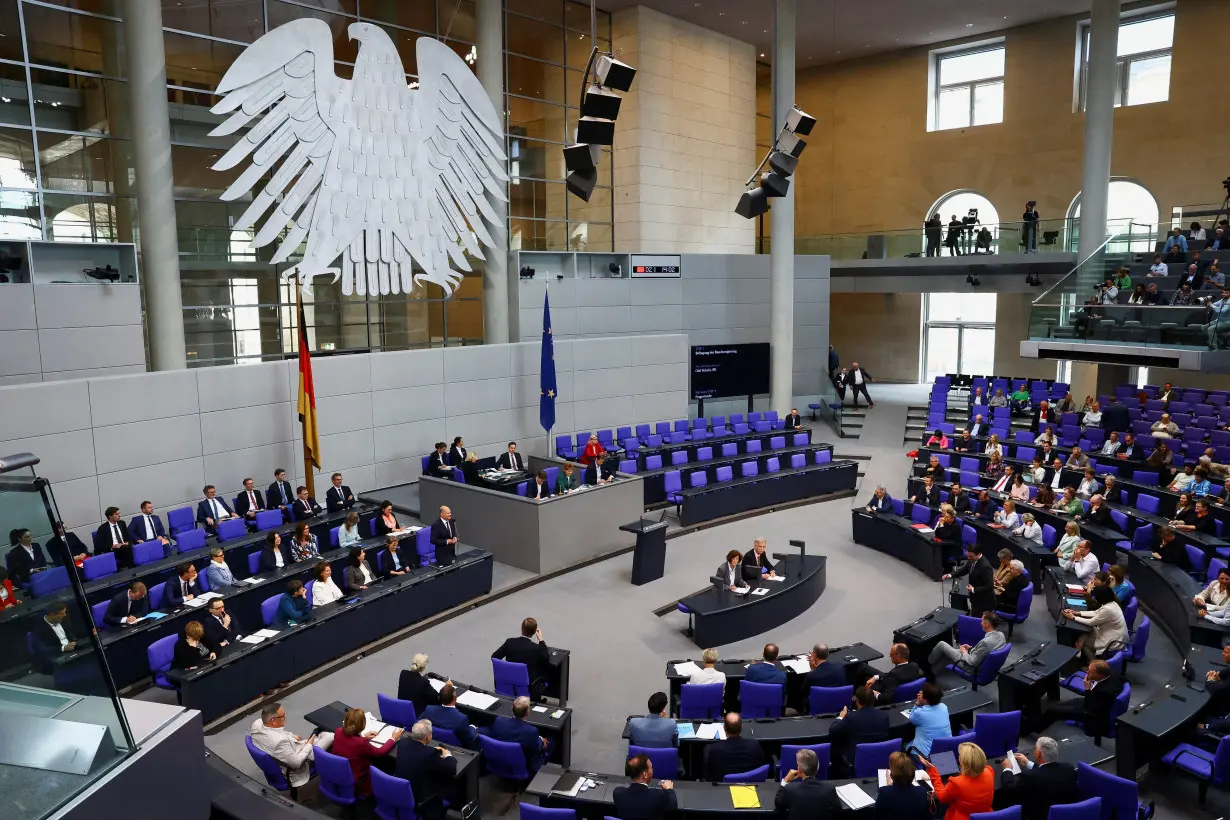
(464, 138)
(286, 79)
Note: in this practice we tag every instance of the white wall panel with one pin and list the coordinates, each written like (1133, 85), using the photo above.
(343, 413)
(405, 404)
(88, 306)
(93, 373)
(125, 446)
(62, 456)
(37, 409)
(335, 376)
(401, 471)
(19, 352)
(228, 388)
(602, 413)
(138, 398)
(17, 306)
(479, 362)
(78, 502)
(410, 440)
(358, 479)
(226, 470)
(461, 398)
(167, 484)
(226, 430)
(78, 348)
(658, 349)
(407, 368)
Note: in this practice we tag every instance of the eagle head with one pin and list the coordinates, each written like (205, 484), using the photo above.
(377, 54)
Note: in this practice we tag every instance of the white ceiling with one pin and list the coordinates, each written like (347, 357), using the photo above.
(830, 31)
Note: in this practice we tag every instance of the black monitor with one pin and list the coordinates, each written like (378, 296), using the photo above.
(719, 371)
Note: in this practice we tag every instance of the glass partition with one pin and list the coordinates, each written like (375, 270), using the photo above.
(61, 723)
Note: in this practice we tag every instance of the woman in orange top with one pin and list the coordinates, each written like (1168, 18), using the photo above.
(7, 596)
(592, 449)
(969, 792)
(354, 743)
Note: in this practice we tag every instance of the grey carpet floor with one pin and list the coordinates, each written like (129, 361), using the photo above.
(620, 648)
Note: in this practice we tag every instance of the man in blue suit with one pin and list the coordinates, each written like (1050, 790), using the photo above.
(427, 768)
(280, 494)
(655, 730)
(866, 724)
(822, 672)
(637, 800)
(183, 588)
(766, 671)
(127, 607)
(515, 729)
(211, 509)
(445, 715)
(147, 526)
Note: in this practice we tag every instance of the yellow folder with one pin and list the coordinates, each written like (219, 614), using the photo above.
(744, 797)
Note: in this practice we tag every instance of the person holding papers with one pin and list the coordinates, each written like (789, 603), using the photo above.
(182, 589)
(324, 590)
(353, 741)
(190, 650)
(655, 730)
(446, 715)
(1039, 783)
(220, 628)
(802, 796)
(970, 791)
(127, 607)
(638, 800)
(901, 799)
(412, 685)
(734, 754)
(211, 509)
(729, 571)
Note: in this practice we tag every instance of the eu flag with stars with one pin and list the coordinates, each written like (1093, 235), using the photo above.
(546, 402)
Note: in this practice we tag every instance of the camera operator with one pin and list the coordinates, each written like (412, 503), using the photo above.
(934, 230)
(971, 219)
(1219, 323)
(983, 243)
(1029, 227)
(1107, 293)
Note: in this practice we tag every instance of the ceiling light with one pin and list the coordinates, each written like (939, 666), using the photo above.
(969, 25)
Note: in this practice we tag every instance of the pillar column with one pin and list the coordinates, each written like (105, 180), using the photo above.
(1099, 134)
(781, 256)
(151, 143)
(498, 292)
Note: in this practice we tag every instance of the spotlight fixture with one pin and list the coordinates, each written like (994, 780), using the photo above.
(1033, 280)
(107, 274)
(616, 269)
(527, 272)
(782, 161)
(614, 74)
(973, 281)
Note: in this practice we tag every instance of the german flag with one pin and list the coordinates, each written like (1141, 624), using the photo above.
(307, 390)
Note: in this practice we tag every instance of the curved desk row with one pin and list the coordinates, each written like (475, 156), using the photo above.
(721, 616)
(655, 480)
(896, 535)
(243, 671)
(794, 438)
(1167, 591)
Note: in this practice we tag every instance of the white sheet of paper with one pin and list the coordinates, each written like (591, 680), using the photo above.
(776, 579)
(760, 590)
(741, 590)
(384, 735)
(374, 724)
(540, 709)
(1015, 766)
(797, 665)
(251, 639)
(196, 602)
(266, 633)
(854, 797)
(711, 731)
(436, 683)
(906, 713)
(478, 700)
(687, 669)
(252, 580)
(208, 596)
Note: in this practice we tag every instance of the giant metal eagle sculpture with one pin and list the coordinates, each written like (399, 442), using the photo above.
(370, 169)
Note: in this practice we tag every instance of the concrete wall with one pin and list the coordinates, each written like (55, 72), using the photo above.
(162, 436)
(881, 331)
(1011, 326)
(872, 164)
(686, 137)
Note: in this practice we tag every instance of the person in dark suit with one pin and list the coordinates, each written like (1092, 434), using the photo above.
(766, 670)
(25, 557)
(147, 526)
(412, 685)
(803, 797)
(339, 497)
(211, 509)
(979, 429)
(510, 459)
(517, 730)
(981, 586)
(127, 607)
(112, 536)
(445, 715)
(1102, 686)
(733, 755)
(929, 495)
(438, 465)
(183, 588)
(948, 533)
(65, 549)
(756, 563)
(901, 799)
(190, 650)
(794, 421)
(280, 494)
(638, 800)
(427, 768)
(822, 672)
(865, 724)
(530, 649)
(856, 379)
(1131, 449)
(1217, 684)
(880, 502)
(221, 628)
(274, 555)
(1042, 783)
(305, 506)
(444, 537)
(469, 469)
(958, 499)
(598, 471)
(984, 506)
(1115, 417)
(883, 687)
(457, 453)
(53, 634)
(539, 489)
(390, 560)
(249, 502)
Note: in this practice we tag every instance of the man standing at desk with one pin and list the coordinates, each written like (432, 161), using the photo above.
(637, 801)
(517, 730)
(981, 586)
(756, 563)
(425, 767)
(511, 459)
(339, 497)
(529, 649)
(444, 537)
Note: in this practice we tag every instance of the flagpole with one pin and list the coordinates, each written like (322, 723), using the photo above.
(309, 475)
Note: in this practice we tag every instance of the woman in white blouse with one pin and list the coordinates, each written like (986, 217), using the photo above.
(993, 446)
(1029, 529)
(348, 534)
(1109, 626)
(1089, 484)
(1046, 436)
(1006, 516)
(1217, 594)
(1036, 473)
(1020, 490)
(1067, 544)
(324, 591)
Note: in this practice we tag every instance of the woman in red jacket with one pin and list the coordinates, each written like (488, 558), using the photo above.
(592, 449)
(969, 792)
(352, 742)
(7, 597)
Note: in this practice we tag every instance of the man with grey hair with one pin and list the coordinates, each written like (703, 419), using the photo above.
(292, 752)
(709, 673)
(1042, 783)
(756, 563)
(1006, 598)
(517, 729)
(970, 657)
(802, 796)
(218, 573)
(425, 767)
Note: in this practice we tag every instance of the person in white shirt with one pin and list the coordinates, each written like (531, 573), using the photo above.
(1045, 437)
(1109, 626)
(1164, 427)
(1006, 517)
(324, 591)
(1197, 233)
(1029, 529)
(993, 446)
(1083, 563)
(1158, 268)
(348, 534)
(1093, 416)
(293, 753)
(1216, 596)
(708, 673)
(1057, 467)
(1111, 445)
(1109, 293)
(150, 524)
(1089, 484)
(1002, 484)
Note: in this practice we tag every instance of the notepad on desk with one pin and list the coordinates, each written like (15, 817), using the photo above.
(266, 633)
(383, 736)
(854, 797)
(776, 579)
(251, 639)
(798, 665)
(744, 797)
(687, 669)
(686, 729)
(711, 731)
(477, 700)
(155, 615)
(760, 590)
(436, 683)
(1076, 601)
(1075, 589)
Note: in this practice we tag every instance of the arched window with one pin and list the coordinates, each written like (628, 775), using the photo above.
(85, 222)
(960, 204)
(1131, 212)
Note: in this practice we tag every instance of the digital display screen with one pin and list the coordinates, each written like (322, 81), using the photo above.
(661, 266)
(730, 370)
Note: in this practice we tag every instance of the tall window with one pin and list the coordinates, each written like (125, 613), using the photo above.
(960, 204)
(1131, 216)
(959, 334)
(969, 87)
(1143, 64)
